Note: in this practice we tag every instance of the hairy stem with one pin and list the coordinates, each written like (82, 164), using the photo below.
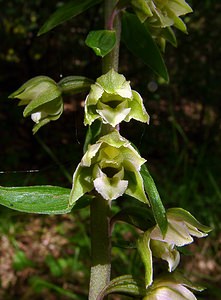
(100, 209)
(111, 60)
(100, 246)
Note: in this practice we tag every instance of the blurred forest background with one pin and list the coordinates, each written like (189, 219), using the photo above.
(47, 257)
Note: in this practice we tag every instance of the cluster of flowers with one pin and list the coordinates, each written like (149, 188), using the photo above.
(160, 15)
(111, 167)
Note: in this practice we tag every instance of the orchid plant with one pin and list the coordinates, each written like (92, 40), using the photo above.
(112, 167)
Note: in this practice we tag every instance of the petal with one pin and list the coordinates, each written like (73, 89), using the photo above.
(132, 160)
(114, 83)
(114, 139)
(90, 114)
(177, 234)
(135, 186)
(172, 291)
(94, 95)
(195, 232)
(179, 7)
(113, 116)
(110, 188)
(166, 252)
(82, 183)
(36, 117)
(138, 111)
(91, 152)
(181, 214)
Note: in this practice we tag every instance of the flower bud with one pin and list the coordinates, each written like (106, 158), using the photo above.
(42, 98)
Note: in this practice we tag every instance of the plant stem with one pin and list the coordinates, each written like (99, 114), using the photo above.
(100, 209)
(100, 246)
(111, 60)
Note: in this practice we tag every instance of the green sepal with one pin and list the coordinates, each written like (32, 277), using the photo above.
(142, 9)
(66, 12)
(101, 41)
(40, 199)
(92, 134)
(143, 246)
(75, 84)
(178, 213)
(140, 42)
(140, 217)
(155, 201)
(126, 285)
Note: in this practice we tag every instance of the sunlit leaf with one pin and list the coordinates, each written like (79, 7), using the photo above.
(66, 12)
(140, 42)
(154, 198)
(40, 199)
(101, 41)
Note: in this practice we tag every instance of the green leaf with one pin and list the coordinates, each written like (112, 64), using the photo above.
(66, 12)
(126, 285)
(101, 41)
(141, 217)
(155, 201)
(40, 199)
(75, 84)
(36, 199)
(140, 42)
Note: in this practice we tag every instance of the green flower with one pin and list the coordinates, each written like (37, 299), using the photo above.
(112, 100)
(162, 13)
(171, 287)
(111, 167)
(42, 98)
(182, 227)
(159, 16)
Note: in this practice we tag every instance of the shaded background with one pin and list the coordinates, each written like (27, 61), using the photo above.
(181, 145)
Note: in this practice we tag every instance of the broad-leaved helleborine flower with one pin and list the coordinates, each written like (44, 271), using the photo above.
(159, 17)
(171, 287)
(42, 97)
(111, 167)
(112, 100)
(182, 227)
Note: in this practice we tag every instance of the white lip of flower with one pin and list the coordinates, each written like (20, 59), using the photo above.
(36, 117)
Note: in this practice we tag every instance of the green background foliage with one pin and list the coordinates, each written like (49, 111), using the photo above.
(181, 144)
